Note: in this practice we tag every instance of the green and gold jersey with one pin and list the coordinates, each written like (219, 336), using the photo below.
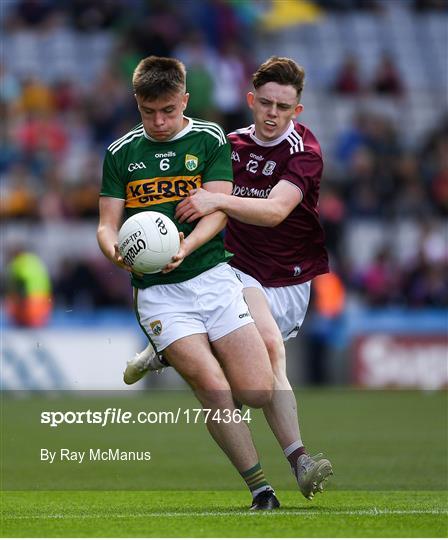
(153, 175)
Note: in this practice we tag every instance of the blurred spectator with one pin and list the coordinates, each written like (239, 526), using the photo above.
(81, 285)
(353, 137)
(54, 202)
(19, 197)
(36, 97)
(89, 16)
(413, 200)
(431, 5)
(157, 31)
(105, 115)
(332, 213)
(348, 78)
(350, 5)
(380, 283)
(199, 60)
(33, 12)
(425, 284)
(41, 136)
(28, 289)
(10, 89)
(435, 165)
(387, 80)
(327, 305)
(361, 190)
(231, 84)
(217, 20)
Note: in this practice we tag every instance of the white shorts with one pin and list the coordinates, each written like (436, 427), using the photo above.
(211, 303)
(288, 304)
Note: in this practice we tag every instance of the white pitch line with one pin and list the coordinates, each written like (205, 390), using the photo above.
(304, 513)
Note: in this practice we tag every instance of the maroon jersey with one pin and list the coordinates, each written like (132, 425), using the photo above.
(294, 251)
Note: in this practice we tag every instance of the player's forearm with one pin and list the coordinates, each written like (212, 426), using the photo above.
(206, 229)
(107, 238)
(263, 212)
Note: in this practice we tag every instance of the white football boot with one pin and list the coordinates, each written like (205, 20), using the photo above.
(312, 473)
(145, 361)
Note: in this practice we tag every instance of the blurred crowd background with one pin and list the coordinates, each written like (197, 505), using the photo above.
(375, 96)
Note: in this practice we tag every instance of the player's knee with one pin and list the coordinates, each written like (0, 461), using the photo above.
(212, 390)
(258, 392)
(254, 398)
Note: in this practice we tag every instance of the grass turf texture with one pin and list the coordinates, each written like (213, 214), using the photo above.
(220, 514)
(388, 450)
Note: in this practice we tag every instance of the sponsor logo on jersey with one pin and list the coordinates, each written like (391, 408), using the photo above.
(235, 156)
(156, 327)
(191, 162)
(297, 271)
(166, 154)
(269, 167)
(134, 166)
(149, 191)
(258, 158)
(244, 191)
(242, 315)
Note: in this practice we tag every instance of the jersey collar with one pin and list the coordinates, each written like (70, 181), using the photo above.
(276, 141)
(181, 133)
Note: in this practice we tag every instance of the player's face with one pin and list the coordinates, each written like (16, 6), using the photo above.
(163, 117)
(274, 106)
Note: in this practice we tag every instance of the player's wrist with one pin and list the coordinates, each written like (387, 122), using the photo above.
(222, 201)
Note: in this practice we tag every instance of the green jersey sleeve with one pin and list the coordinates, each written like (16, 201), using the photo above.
(111, 185)
(219, 164)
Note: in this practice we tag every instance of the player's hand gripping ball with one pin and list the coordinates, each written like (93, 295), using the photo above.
(147, 241)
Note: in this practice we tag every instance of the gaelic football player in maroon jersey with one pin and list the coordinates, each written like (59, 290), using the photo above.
(275, 235)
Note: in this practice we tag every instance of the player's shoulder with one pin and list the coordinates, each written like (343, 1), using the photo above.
(208, 129)
(240, 134)
(131, 136)
(302, 139)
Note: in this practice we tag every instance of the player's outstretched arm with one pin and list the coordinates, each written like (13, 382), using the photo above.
(111, 212)
(269, 212)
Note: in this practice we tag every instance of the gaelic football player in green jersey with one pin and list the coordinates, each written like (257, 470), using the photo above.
(277, 240)
(196, 300)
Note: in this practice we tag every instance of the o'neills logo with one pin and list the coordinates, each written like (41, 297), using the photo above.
(133, 251)
(146, 192)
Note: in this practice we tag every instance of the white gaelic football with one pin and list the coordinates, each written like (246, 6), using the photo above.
(147, 241)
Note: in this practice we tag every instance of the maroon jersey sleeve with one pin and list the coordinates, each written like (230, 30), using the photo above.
(303, 171)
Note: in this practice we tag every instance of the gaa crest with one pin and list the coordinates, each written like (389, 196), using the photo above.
(156, 327)
(191, 162)
(269, 167)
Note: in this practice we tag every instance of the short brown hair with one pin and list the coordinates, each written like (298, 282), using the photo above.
(282, 71)
(157, 76)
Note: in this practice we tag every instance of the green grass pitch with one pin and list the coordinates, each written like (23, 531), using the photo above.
(388, 449)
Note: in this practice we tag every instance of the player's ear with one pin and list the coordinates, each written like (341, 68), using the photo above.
(298, 109)
(185, 100)
(250, 99)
